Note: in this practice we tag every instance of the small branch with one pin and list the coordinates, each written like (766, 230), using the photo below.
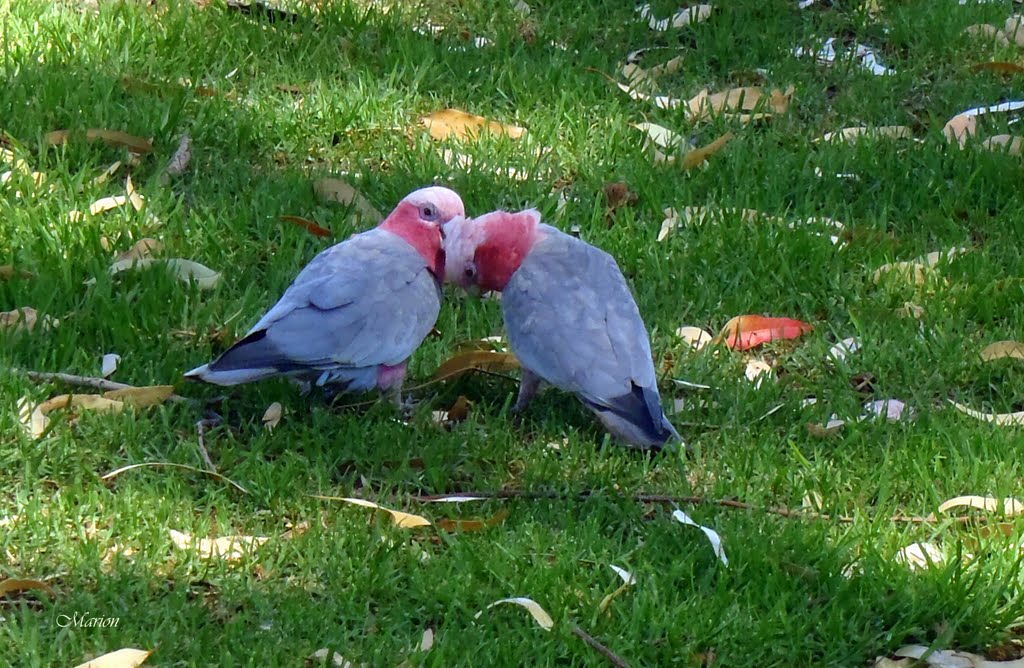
(700, 501)
(612, 657)
(200, 431)
(89, 381)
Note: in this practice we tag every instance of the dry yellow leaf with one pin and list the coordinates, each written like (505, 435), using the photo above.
(25, 319)
(122, 658)
(1010, 506)
(140, 397)
(107, 173)
(540, 615)
(464, 362)
(401, 519)
(106, 204)
(999, 419)
(850, 135)
(228, 548)
(185, 271)
(336, 190)
(705, 105)
(272, 416)
(1013, 29)
(697, 156)
(1004, 143)
(112, 137)
(143, 248)
(695, 336)
(1001, 349)
(15, 586)
(461, 125)
(35, 419)
(987, 30)
(133, 196)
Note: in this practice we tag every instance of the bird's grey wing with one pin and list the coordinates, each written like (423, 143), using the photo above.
(572, 320)
(368, 301)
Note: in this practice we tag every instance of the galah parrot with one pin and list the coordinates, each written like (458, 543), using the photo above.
(357, 311)
(570, 318)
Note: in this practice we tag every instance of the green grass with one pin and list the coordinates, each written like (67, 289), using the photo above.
(353, 582)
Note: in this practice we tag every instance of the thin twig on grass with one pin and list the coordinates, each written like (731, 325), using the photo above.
(612, 657)
(130, 467)
(698, 501)
(89, 381)
(201, 427)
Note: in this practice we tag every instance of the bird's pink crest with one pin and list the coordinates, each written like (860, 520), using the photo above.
(504, 243)
(418, 218)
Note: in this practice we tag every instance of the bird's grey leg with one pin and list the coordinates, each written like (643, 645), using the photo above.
(390, 380)
(528, 386)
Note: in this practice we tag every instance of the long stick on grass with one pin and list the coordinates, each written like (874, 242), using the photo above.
(696, 501)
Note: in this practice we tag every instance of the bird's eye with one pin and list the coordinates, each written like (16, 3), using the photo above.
(428, 213)
(470, 271)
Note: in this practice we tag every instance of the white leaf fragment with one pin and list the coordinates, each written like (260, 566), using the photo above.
(272, 416)
(109, 364)
(1010, 506)
(713, 537)
(184, 270)
(892, 410)
(539, 614)
(920, 555)
(844, 348)
(1000, 419)
(627, 577)
(827, 55)
(680, 19)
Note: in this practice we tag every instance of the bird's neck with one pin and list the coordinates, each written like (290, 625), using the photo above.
(507, 245)
(423, 237)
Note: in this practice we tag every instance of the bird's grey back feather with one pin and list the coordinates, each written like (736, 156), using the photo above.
(370, 300)
(572, 320)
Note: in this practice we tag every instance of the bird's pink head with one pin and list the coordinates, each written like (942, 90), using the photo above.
(484, 252)
(418, 219)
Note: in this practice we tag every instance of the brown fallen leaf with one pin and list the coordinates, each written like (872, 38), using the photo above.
(141, 397)
(7, 272)
(850, 135)
(228, 548)
(123, 658)
(24, 319)
(336, 190)
(306, 224)
(401, 519)
(36, 419)
(112, 137)
(459, 410)
(469, 526)
(999, 67)
(182, 155)
(697, 156)
(1005, 144)
(12, 586)
(461, 125)
(1001, 349)
(141, 249)
(107, 204)
(987, 30)
(471, 360)
(705, 105)
(618, 195)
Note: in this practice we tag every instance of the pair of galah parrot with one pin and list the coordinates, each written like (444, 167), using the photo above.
(355, 314)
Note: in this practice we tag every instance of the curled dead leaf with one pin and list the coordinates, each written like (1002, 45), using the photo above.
(143, 248)
(228, 548)
(471, 525)
(539, 614)
(471, 360)
(749, 331)
(1010, 507)
(186, 271)
(307, 224)
(851, 135)
(340, 192)
(461, 125)
(13, 586)
(999, 419)
(695, 336)
(127, 657)
(697, 156)
(401, 519)
(1001, 349)
(113, 137)
(36, 419)
(1008, 144)
(272, 416)
(25, 319)
(141, 397)
(182, 155)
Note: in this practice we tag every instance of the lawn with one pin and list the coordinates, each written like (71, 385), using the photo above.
(814, 574)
